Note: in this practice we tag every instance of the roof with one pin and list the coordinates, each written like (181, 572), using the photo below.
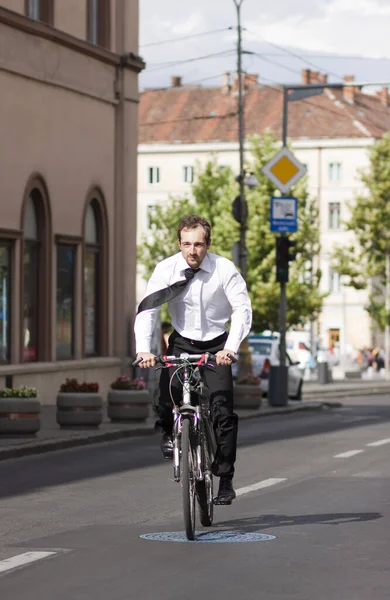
(189, 114)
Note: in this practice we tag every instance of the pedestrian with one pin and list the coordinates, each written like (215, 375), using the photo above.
(214, 294)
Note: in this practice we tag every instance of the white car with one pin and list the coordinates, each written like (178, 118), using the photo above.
(265, 353)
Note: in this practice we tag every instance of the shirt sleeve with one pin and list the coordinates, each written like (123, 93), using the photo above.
(241, 319)
(145, 321)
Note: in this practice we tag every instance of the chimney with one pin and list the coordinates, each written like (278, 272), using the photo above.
(323, 78)
(225, 88)
(384, 96)
(314, 77)
(175, 81)
(306, 74)
(250, 79)
(349, 92)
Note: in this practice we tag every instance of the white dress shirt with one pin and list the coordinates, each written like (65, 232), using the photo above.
(215, 295)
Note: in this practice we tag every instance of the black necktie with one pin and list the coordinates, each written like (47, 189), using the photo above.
(168, 293)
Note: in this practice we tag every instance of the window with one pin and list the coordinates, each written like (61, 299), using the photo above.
(335, 171)
(91, 281)
(66, 262)
(188, 174)
(36, 276)
(154, 174)
(40, 10)
(334, 282)
(30, 279)
(5, 300)
(334, 212)
(99, 22)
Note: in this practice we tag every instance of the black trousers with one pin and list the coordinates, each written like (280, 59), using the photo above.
(220, 385)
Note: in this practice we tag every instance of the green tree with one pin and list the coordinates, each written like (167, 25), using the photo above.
(362, 262)
(212, 197)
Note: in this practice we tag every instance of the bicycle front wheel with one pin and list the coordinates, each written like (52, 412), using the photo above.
(188, 480)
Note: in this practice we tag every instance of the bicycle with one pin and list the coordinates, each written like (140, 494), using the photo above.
(194, 443)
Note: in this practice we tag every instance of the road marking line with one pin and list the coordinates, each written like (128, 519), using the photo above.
(380, 442)
(260, 485)
(348, 454)
(22, 559)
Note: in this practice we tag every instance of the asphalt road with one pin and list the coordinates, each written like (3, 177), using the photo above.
(317, 483)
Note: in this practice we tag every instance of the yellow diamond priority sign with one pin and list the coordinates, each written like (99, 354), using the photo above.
(284, 170)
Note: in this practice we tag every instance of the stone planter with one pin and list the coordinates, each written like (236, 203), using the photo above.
(128, 405)
(19, 416)
(75, 409)
(247, 396)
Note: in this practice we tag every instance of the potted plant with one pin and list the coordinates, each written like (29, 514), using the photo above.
(79, 404)
(20, 411)
(247, 391)
(128, 399)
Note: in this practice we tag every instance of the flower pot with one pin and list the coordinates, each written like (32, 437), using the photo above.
(128, 405)
(247, 396)
(76, 409)
(19, 416)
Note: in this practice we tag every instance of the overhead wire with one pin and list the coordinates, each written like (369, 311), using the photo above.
(291, 53)
(186, 37)
(159, 66)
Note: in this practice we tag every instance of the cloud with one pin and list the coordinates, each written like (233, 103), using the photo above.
(326, 27)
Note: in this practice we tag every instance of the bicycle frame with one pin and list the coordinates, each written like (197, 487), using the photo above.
(188, 411)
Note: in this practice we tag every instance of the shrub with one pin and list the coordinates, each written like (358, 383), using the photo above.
(248, 379)
(19, 392)
(126, 383)
(72, 385)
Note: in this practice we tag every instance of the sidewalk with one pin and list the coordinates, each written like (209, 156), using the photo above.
(51, 437)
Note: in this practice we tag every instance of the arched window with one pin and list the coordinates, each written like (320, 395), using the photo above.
(93, 267)
(30, 277)
(35, 324)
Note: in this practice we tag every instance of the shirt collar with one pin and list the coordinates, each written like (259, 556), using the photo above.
(205, 264)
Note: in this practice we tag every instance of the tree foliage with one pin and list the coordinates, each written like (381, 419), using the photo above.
(362, 262)
(212, 197)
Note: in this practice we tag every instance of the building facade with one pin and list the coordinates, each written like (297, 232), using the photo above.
(183, 126)
(68, 180)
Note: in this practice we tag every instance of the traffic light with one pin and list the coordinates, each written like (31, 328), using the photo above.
(283, 257)
(237, 212)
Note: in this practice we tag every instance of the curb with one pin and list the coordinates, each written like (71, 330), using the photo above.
(63, 443)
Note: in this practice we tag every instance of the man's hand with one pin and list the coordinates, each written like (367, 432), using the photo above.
(148, 360)
(223, 357)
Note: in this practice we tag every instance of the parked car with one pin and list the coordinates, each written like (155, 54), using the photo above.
(265, 353)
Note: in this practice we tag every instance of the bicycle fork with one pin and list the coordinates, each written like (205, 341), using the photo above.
(193, 413)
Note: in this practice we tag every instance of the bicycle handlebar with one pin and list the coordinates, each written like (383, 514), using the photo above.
(184, 357)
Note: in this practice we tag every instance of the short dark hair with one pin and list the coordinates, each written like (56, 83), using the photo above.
(192, 222)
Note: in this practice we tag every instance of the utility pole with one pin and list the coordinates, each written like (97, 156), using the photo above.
(241, 136)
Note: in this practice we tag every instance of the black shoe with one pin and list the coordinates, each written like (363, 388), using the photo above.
(167, 446)
(226, 493)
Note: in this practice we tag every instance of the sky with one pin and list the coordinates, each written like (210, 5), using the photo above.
(338, 37)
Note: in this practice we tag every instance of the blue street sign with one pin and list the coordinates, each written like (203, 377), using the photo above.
(284, 214)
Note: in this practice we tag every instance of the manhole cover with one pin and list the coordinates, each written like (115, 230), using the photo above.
(215, 537)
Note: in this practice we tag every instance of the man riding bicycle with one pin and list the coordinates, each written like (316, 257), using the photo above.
(210, 293)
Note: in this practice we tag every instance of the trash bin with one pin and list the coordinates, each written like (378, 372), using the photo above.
(323, 372)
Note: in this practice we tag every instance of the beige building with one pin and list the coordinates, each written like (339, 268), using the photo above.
(183, 126)
(68, 162)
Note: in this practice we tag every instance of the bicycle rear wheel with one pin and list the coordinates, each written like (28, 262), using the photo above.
(188, 480)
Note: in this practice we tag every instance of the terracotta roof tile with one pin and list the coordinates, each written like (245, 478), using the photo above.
(196, 114)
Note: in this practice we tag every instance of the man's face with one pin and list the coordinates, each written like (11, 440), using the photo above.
(193, 246)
